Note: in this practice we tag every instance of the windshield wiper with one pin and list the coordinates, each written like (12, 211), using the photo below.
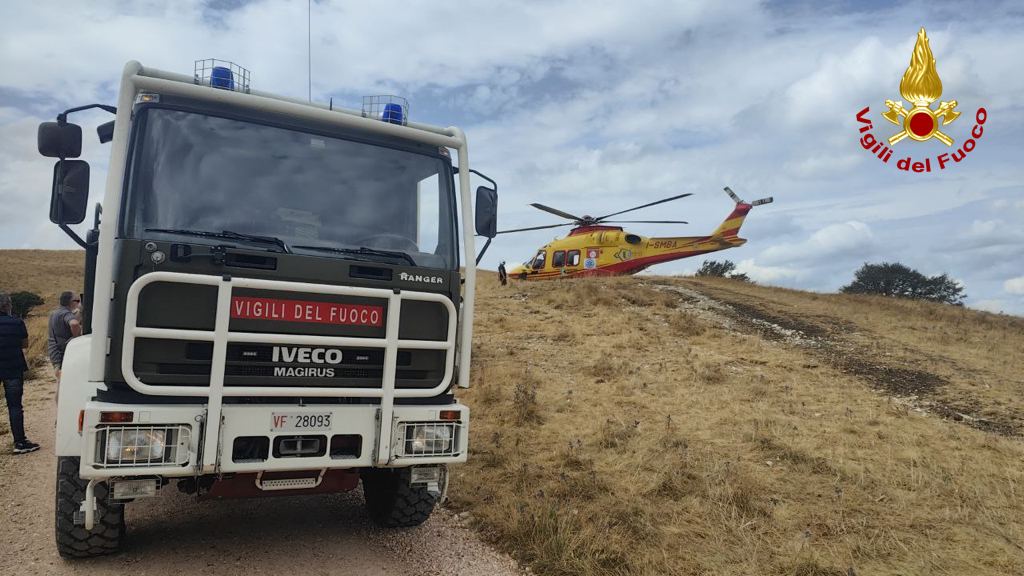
(227, 234)
(364, 251)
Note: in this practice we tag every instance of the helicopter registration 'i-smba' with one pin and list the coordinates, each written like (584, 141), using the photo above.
(593, 248)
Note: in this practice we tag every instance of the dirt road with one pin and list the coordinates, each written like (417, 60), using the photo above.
(308, 535)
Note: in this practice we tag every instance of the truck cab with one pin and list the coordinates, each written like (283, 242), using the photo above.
(278, 300)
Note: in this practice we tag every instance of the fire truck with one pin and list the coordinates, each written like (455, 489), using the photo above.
(278, 300)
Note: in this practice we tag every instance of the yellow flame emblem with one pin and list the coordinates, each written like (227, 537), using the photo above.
(921, 85)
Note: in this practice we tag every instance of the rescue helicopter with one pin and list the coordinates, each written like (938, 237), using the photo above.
(592, 248)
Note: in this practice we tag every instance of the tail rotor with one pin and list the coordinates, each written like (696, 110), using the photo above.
(739, 200)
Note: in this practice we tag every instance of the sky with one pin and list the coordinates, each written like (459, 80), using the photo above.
(593, 107)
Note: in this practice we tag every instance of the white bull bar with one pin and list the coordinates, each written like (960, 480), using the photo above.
(220, 336)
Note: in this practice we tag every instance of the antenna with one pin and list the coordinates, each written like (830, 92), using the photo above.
(309, 47)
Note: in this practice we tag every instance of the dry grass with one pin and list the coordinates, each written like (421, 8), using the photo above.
(617, 430)
(974, 358)
(669, 443)
(44, 272)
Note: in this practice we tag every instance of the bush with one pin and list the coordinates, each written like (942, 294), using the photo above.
(716, 268)
(723, 269)
(895, 279)
(23, 302)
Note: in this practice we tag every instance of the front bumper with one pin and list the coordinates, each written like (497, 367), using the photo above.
(185, 428)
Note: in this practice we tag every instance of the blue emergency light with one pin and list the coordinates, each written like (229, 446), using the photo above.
(392, 113)
(221, 77)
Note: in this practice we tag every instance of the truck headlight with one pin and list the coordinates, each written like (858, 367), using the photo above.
(429, 439)
(135, 445)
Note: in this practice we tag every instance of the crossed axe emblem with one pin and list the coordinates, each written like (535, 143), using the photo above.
(914, 129)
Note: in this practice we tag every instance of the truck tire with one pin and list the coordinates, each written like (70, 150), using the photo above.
(392, 502)
(74, 541)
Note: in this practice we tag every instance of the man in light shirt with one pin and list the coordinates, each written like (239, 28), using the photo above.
(64, 325)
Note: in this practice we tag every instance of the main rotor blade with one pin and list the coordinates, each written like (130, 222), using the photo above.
(555, 211)
(646, 221)
(643, 206)
(536, 228)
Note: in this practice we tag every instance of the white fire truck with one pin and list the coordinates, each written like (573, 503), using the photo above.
(276, 301)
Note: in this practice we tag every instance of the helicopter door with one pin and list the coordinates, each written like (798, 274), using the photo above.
(558, 260)
(572, 258)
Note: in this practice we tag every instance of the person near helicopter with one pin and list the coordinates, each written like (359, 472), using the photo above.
(502, 274)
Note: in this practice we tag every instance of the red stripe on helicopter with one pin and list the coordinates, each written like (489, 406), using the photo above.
(622, 267)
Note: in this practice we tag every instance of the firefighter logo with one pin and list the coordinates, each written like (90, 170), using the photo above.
(921, 86)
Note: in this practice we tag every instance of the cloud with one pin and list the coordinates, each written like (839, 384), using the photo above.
(990, 305)
(1014, 285)
(770, 274)
(593, 108)
(834, 240)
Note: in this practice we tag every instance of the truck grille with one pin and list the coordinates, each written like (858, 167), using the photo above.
(322, 340)
(187, 363)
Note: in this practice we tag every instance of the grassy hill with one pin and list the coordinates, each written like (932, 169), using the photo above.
(46, 273)
(679, 426)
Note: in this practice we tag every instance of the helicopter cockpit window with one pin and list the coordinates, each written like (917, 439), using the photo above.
(538, 260)
(573, 258)
(558, 259)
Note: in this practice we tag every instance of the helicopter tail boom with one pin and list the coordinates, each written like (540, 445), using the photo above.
(729, 229)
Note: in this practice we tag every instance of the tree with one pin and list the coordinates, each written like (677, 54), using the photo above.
(895, 279)
(716, 268)
(23, 302)
(723, 269)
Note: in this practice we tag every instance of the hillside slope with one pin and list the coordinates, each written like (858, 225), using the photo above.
(46, 273)
(653, 426)
(659, 426)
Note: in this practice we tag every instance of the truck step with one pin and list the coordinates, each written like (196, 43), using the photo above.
(300, 483)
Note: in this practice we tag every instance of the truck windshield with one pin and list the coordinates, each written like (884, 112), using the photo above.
(320, 195)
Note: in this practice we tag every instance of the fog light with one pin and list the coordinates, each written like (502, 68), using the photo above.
(425, 475)
(133, 445)
(429, 439)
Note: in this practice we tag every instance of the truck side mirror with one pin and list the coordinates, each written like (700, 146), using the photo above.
(56, 140)
(70, 193)
(105, 131)
(486, 212)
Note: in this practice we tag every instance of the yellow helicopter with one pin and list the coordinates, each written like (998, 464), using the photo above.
(594, 249)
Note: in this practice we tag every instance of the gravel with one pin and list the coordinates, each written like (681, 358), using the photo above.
(172, 533)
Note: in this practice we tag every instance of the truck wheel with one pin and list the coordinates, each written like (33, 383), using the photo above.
(74, 541)
(392, 502)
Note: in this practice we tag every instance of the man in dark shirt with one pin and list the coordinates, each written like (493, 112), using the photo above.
(64, 326)
(14, 338)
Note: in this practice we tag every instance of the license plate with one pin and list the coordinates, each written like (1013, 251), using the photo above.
(300, 421)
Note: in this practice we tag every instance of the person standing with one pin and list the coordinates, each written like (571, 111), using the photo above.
(502, 274)
(64, 326)
(14, 339)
